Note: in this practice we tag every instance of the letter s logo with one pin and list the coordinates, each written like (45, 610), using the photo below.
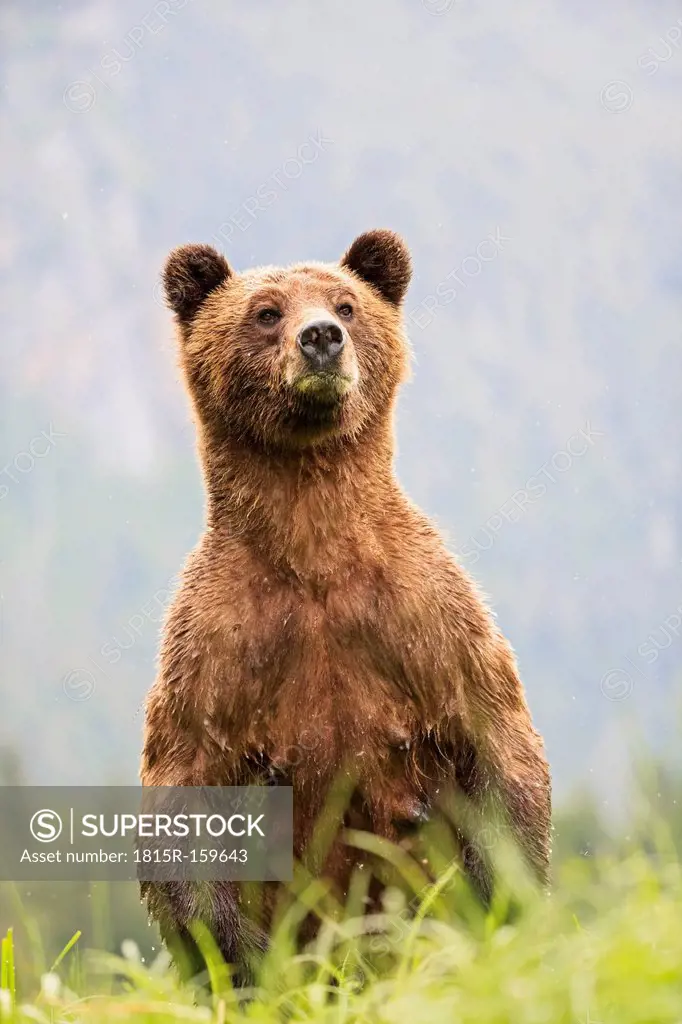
(46, 826)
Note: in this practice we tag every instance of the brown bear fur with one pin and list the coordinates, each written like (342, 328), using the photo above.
(321, 617)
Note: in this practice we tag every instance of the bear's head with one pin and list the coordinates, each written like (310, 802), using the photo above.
(290, 358)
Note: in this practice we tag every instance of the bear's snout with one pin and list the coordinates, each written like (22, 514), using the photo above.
(321, 342)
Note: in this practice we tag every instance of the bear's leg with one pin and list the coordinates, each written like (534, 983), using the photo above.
(504, 769)
(175, 905)
(503, 777)
(513, 786)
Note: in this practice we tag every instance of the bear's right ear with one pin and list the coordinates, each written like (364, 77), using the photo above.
(191, 272)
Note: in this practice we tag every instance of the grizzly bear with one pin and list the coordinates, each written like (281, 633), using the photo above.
(321, 621)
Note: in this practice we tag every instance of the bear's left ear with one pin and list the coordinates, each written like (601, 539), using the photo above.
(382, 259)
(191, 272)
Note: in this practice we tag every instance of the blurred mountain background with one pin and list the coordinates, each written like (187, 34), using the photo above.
(530, 155)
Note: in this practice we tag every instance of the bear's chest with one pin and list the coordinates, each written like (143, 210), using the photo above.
(326, 669)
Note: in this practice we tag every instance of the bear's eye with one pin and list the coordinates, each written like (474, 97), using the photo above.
(345, 310)
(269, 315)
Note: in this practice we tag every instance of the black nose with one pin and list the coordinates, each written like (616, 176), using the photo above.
(321, 342)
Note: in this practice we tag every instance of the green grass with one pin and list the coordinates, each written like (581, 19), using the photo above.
(605, 946)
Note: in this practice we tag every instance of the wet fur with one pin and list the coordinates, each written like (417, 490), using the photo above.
(321, 617)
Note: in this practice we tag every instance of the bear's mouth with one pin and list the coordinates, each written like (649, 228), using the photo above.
(318, 404)
(326, 387)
